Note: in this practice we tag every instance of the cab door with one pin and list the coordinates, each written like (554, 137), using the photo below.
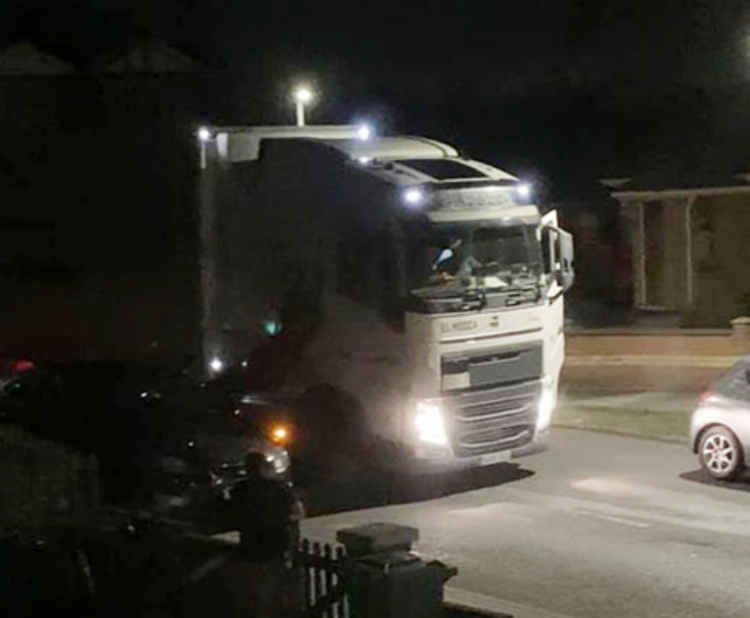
(557, 252)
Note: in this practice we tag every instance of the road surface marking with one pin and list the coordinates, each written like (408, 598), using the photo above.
(475, 600)
(654, 508)
(618, 520)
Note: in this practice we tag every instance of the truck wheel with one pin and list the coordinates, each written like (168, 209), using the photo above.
(720, 453)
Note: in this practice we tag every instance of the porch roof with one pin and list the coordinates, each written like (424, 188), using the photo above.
(656, 186)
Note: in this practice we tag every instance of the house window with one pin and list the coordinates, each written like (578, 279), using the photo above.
(657, 267)
(705, 258)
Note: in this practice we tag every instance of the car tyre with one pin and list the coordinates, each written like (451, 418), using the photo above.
(720, 453)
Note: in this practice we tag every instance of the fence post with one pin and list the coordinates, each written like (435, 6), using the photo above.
(341, 581)
(305, 551)
(315, 593)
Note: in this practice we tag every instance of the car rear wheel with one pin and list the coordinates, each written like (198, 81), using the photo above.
(720, 453)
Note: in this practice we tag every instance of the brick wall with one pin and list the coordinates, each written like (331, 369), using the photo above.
(630, 360)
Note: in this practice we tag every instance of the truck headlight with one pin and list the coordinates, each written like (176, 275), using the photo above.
(429, 423)
(546, 406)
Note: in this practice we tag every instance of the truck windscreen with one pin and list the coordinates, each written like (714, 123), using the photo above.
(454, 258)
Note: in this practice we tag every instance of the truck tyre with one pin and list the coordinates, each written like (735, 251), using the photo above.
(337, 417)
(406, 487)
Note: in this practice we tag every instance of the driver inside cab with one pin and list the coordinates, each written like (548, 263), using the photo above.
(453, 261)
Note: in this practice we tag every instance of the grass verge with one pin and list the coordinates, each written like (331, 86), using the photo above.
(670, 426)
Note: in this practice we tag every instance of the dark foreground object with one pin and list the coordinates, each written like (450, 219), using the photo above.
(134, 568)
(127, 566)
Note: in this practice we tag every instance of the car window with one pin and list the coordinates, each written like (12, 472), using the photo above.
(733, 383)
(25, 386)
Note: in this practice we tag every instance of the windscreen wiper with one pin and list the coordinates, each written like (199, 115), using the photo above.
(475, 298)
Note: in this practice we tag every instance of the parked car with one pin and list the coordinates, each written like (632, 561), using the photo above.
(13, 372)
(720, 425)
(156, 433)
(321, 427)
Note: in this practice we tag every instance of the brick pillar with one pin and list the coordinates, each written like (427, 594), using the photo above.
(741, 327)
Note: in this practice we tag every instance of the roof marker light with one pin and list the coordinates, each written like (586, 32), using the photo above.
(364, 132)
(524, 191)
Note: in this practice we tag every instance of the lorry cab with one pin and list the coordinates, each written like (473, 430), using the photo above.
(440, 283)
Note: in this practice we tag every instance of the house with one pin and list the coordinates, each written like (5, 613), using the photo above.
(26, 59)
(149, 83)
(147, 55)
(32, 83)
(689, 235)
(601, 295)
(95, 164)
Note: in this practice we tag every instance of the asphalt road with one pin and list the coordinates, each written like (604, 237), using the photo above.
(597, 525)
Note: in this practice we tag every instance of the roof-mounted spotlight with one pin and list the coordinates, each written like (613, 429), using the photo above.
(523, 191)
(364, 132)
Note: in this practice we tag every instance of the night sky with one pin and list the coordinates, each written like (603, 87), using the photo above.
(561, 91)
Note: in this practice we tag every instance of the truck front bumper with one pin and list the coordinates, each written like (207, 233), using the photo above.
(425, 460)
(488, 426)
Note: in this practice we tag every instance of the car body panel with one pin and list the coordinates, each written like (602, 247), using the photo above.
(732, 414)
(137, 418)
(726, 403)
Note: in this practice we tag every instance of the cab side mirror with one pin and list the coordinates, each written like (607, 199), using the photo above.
(565, 271)
(557, 249)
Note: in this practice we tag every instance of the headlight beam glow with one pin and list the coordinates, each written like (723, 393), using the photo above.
(545, 408)
(429, 423)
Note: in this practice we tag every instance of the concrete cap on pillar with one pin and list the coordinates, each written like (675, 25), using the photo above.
(741, 326)
(376, 537)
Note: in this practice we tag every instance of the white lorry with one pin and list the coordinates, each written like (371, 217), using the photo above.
(434, 283)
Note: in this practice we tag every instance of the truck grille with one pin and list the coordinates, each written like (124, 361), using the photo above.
(494, 419)
(493, 366)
